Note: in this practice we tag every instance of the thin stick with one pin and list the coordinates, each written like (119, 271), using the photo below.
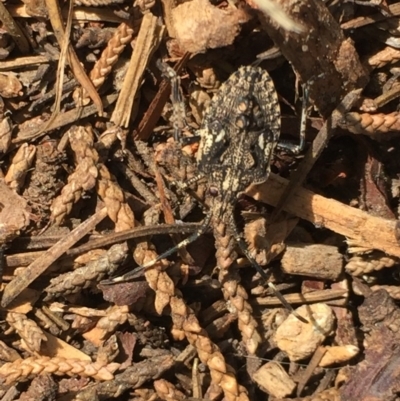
(370, 231)
(25, 258)
(37, 267)
(139, 270)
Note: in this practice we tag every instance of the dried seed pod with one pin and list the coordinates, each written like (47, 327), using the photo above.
(81, 140)
(5, 134)
(112, 195)
(372, 124)
(167, 391)
(186, 323)
(81, 180)
(22, 369)
(97, 3)
(88, 257)
(45, 179)
(84, 177)
(359, 265)
(115, 316)
(236, 295)
(21, 163)
(87, 276)
(31, 334)
(121, 37)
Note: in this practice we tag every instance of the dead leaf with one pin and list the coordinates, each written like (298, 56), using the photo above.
(13, 213)
(10, 86)
(377, 376)
(199, 26)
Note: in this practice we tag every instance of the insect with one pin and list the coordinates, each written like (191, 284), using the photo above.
(238, 135)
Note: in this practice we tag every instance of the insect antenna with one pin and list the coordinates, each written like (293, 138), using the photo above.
(289, 146)
(138, 271)
(259, 269)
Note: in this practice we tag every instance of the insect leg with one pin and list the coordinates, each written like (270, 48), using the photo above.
(277, 293)
(140, 269)
(288, 145)
(178, 105)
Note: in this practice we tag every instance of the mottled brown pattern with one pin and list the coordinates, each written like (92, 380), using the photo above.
(238, 136)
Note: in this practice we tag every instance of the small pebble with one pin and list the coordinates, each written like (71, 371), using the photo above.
(300, 340)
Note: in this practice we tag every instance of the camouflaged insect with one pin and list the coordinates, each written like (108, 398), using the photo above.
(239, 133)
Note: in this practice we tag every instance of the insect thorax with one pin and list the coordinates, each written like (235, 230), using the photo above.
(238, 135)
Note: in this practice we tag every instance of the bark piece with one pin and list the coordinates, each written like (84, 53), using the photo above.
(42, 388)
(147, 42)
(322, 55)
(314, 260)
(133, 377)
(377, 376)
(273, 379)
(373, 232)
